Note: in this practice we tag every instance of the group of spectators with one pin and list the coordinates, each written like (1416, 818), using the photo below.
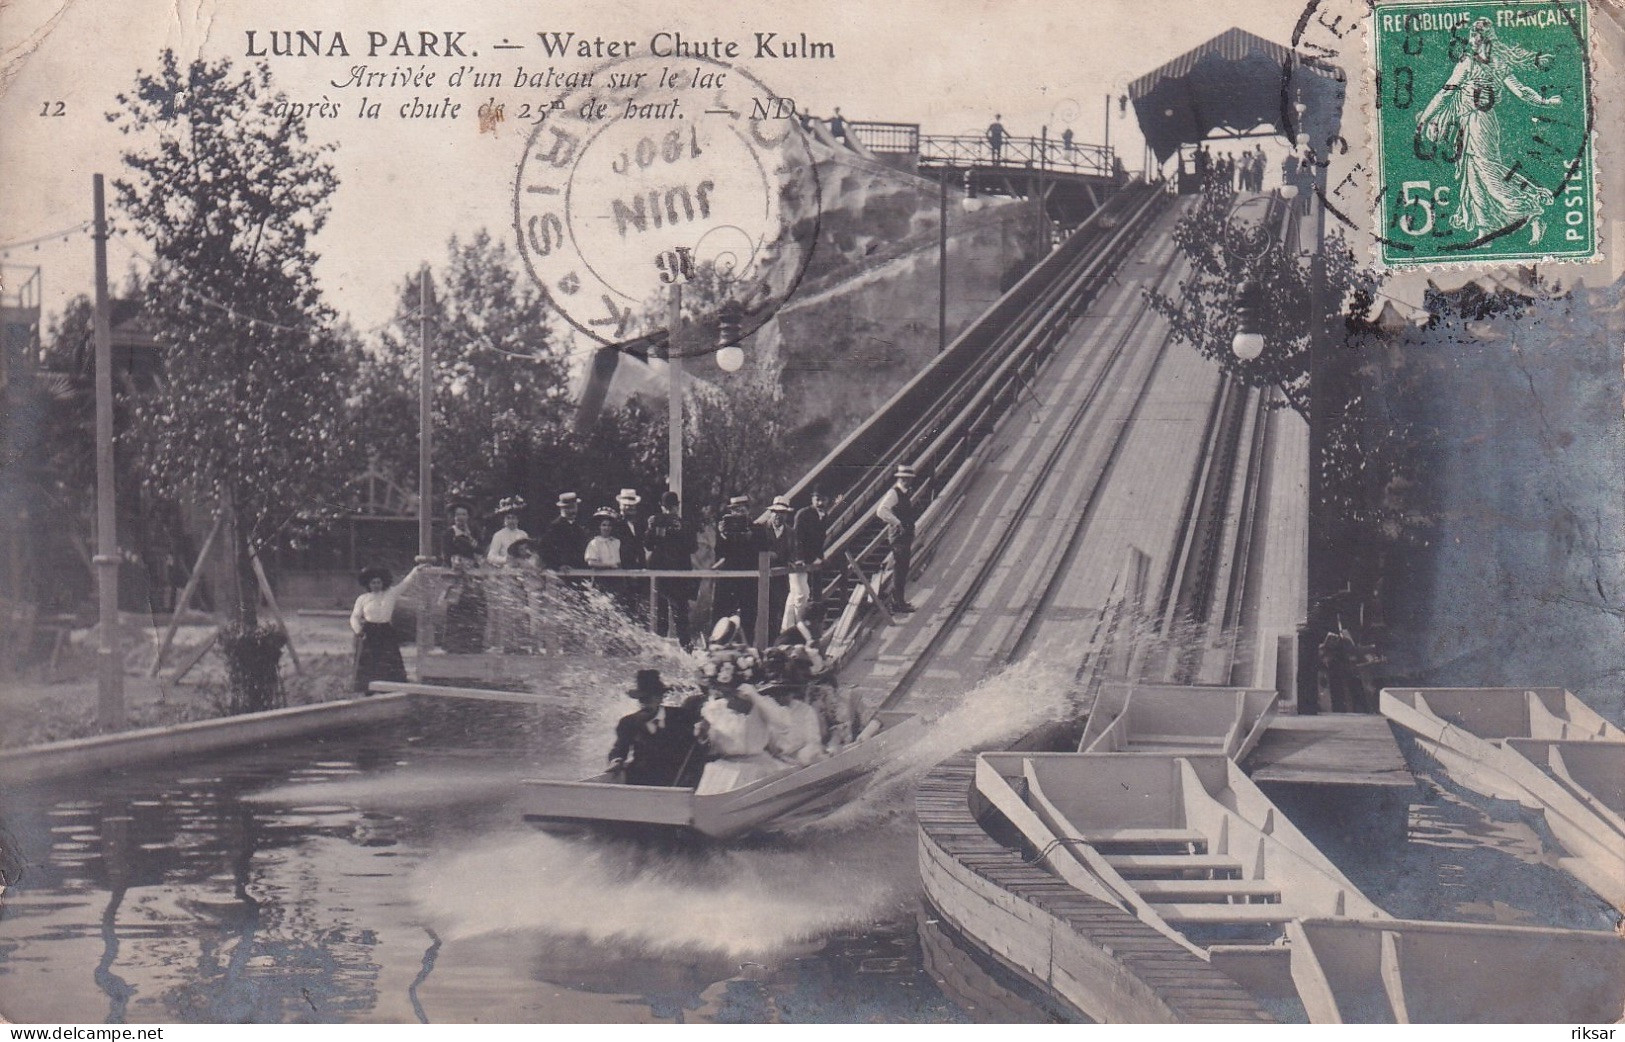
(622, 537)
(495, 593)
(1243, 173)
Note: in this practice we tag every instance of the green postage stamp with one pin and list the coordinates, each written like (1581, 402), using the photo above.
(1483, 132)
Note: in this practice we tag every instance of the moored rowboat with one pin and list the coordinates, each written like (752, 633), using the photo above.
(721, 815)
(1543, 748)
(1399, 971)
(1186, 843)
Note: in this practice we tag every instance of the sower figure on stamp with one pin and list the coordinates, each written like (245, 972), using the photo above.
(898, 511)
(1465, 113)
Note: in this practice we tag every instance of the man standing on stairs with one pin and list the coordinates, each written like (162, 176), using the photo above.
(811, 531)
(899, 513)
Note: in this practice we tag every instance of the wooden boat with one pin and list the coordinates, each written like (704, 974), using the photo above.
(1543, 748)
(603, 800)
(1399, 971)
(1178, 719)
(1187, 843)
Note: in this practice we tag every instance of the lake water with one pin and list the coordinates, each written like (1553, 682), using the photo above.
(386, 875)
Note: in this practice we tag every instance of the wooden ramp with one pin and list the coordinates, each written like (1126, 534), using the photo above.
(1343, 749)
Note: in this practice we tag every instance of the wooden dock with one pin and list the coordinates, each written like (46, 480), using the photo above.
(1340, 749)
(1093, 956)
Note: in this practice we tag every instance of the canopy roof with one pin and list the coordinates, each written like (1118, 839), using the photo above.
(1234, 83)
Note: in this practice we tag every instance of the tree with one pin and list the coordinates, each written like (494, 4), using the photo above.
(228, 191)
(501, 400)
(1227, 252)
(738, 442)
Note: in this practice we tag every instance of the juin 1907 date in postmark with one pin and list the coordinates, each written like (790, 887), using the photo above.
(659, 174)
(1483, 128)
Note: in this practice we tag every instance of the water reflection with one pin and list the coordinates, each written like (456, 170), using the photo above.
(386, 876)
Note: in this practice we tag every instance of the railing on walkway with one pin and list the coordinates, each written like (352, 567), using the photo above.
(491, 584)
(938, 420)
(1017, 153)
(886, 138)
(976, 150)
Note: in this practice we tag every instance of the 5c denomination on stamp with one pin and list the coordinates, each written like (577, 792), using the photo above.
(1483, 132)
(660, 172)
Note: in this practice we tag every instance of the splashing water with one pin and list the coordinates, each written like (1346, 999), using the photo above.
(1001, 708)
(739, 902)
(407, 788)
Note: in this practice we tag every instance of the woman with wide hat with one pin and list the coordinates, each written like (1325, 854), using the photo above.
(465, 593)
(378, 646)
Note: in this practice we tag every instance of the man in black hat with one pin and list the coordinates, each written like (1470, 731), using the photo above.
(656, 744)
(670, 542)
(811, 528)
(737, 546)
(898, 510)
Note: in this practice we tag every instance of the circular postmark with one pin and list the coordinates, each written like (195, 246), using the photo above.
(1476, 143)
(656, 174)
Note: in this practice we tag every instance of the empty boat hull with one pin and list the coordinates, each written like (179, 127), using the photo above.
(1400, 971)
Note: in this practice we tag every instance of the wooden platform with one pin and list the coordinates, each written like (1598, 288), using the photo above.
(1092, 956)
(1346, 749)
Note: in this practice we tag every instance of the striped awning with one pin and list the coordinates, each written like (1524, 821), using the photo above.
(1236, 81)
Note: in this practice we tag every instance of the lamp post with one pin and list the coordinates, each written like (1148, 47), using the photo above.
(674, 396)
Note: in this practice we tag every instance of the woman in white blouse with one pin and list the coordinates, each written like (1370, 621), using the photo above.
(510, 532)
(378, 646)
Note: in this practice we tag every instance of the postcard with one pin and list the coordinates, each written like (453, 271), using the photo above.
(928, 513)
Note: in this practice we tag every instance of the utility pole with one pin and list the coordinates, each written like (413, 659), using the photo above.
(425, 424)
(942, 264)
(674, 396)
(1108, 135)
(109, 662)
(425, 635)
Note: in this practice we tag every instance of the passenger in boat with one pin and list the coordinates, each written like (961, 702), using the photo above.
(795, 732)
(734, 726)
(378, 646)
(656, 745)
(729, 632)
(840, 710)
